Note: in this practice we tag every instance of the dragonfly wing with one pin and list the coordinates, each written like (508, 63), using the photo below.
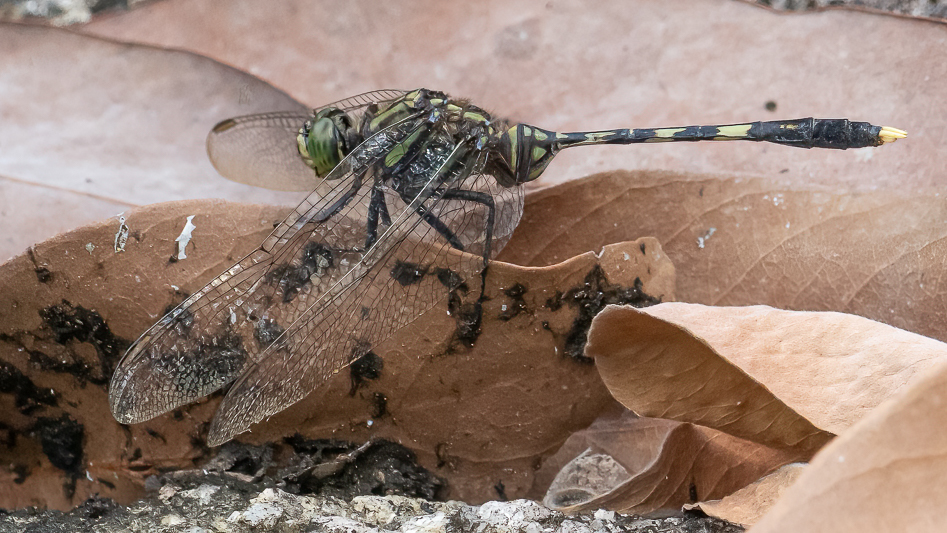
(415, 269)
(260, 150)
(359, 101)
(207, 341)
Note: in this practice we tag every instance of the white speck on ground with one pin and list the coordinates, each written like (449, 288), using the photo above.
(185, 237)
(702, 240)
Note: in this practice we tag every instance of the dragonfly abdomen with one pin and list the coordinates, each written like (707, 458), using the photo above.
(839, 134)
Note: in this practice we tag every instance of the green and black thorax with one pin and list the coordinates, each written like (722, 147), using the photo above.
(410, 139)
(440, 127)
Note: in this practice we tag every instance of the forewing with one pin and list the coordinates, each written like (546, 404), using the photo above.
(360, 101)
(210, 338)
(414, 271)
(260, 150)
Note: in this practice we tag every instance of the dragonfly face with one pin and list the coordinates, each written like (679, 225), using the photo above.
(411, 180)
(327, 138)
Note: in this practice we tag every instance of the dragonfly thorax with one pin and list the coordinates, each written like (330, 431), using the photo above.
(523, 153)
(327, 138)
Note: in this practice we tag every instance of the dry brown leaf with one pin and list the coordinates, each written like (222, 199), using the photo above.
(652, 466)
(786, 379)
(93, 127)
(590, 65)
(881, 255)
(888, 472)
(478, 417)
(748, 504)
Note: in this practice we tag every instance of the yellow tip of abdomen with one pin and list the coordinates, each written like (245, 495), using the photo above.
(889, 134)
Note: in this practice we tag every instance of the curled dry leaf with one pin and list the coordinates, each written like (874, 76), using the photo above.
(888, 472)
(480, 417)
(735, 242)
(652, 466)
(93, 127)
(786, 379)
(747, 505)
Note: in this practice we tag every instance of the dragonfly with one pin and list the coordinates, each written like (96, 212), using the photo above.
(416, 192)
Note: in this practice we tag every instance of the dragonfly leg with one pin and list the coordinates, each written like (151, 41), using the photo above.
(487, 201)
(337, 206)
(470, 316)
(439, 227)
(377, 208)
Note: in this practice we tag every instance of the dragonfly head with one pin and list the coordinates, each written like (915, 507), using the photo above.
(524, 153)
(326, 138)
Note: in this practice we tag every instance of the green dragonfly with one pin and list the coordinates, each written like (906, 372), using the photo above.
(419, 190)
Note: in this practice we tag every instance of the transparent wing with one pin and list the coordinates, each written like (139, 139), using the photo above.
(207, 340)
(260, 150)
(414, 269)
(360, 101)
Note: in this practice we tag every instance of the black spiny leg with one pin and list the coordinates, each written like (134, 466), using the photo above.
(376, 208)
(471, 196)
(331, 211)
(439, 227)
(471, 319)
(462, 194)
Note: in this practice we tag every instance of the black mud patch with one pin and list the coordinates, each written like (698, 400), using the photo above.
(155, 435)
(368, 367)
(22, 473)
(61, 440)
(220, 360)
(407, 273)
(76, 323)
(590, 298)
(345, 470)
(469, 319)
(82, 370)
(43, 275)
(516, 304)
(27, 397)
(467, 315)
(379, 405)
(554, 303)
(266, 331)
(500, 488)
(450, 279)
(315, 260)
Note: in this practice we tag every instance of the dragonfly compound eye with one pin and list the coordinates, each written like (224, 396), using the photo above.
(327, 138)
(524, 153)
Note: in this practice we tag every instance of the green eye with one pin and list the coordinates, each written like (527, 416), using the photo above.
(326, 139)
(324, 146)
